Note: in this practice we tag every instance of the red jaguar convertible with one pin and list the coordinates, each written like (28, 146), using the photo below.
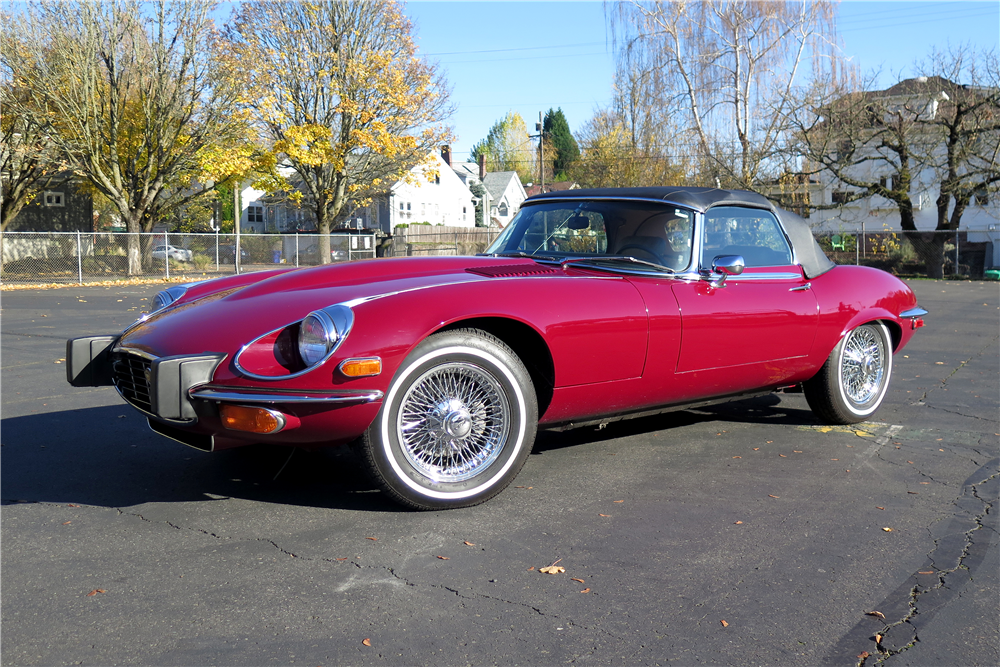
(591, 306)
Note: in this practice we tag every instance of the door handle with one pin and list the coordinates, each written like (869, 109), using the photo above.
(801, 288)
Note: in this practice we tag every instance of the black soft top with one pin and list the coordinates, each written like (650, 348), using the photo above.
(808, 253)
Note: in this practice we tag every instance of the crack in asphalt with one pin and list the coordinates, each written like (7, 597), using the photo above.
(989, 346)
(901, 635)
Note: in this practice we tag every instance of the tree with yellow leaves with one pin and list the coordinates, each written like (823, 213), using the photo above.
(341, 93)
(132, 96)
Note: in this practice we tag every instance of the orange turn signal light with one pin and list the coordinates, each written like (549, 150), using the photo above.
(250, 419)
(356, 368)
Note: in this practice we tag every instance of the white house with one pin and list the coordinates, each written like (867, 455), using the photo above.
(506, 195)
(924, 96)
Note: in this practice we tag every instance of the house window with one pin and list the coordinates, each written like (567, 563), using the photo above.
(840, 196)
(885, 182)
(463, 214)
(437, 179)
(255, 214)
(503, 209)
(983, 197)
(54, 199)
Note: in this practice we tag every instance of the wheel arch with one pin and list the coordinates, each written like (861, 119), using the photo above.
(879, 315)
(530, 347)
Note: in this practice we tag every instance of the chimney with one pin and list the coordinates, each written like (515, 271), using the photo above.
(446, 154)
(482, 167)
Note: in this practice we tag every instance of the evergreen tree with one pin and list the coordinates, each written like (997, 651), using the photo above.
(557, 130)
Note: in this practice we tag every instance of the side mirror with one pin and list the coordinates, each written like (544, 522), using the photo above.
(723, 266)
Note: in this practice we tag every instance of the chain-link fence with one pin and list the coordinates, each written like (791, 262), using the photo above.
(965, 253)
(80, 257)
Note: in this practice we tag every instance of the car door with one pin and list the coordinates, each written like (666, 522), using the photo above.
(757, 323)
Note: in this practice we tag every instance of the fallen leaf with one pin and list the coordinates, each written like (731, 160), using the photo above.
(341, 558)
(585, 590)
(925, 482)
(737, 457)
(770, 496)
(366, 642)
(443, 557)
(864, 654)
(724, 624)
(95, 592)
(552, 569)
(373, 539)
(72, 505)
(580, 580)
(603, 515)
(910, 462)
(926, 572)
(531, 568)
(834, 459)
(469, 544)
(782, 456)
(770, 441)
(796, 451)
(879, 508)
(888, 530)
(756, 449)
(875, 613)
(619, 501)
(738, 523)
(912, 493)
(878, 639)
(66, 523)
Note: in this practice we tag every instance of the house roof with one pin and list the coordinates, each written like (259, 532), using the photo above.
(496, 182)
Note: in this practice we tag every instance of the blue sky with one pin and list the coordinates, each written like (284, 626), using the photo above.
(530, 56)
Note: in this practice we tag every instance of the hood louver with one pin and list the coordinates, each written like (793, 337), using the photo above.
(508, 271)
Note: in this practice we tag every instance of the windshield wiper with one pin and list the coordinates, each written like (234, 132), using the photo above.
(614, 259)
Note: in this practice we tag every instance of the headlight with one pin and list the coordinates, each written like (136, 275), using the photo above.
(317, 336)
(321, 331)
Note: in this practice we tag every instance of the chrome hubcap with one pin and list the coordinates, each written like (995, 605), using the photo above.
(863, 365)
(453, 422)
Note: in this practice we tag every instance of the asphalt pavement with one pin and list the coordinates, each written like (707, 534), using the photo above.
(741, 534)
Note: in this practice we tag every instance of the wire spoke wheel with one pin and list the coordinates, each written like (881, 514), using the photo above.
(852, 383)
(863, 365)
(453, 422)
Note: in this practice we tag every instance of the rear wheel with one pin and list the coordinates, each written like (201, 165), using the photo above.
(456, 425)
(853, 381)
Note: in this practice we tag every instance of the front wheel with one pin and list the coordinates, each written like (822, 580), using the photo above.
(456, 424)
(853, 381)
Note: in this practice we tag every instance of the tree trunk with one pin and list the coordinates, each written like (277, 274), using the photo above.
(133, 225)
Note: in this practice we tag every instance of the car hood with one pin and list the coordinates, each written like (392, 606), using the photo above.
(217, 316)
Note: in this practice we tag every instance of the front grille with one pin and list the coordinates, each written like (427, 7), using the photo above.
(130, 376)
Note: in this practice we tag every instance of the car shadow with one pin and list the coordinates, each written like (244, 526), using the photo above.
(769, 409)
(107, 456)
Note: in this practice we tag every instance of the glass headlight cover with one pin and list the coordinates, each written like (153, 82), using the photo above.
(321, 332)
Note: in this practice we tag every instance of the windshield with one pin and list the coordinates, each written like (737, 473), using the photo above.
(660, 234)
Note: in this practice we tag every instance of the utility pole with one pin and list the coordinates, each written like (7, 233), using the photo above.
(541, 151)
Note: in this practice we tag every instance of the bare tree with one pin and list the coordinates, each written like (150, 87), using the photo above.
(337, 86)
(131, 95)
(922, 136)
(727, 68)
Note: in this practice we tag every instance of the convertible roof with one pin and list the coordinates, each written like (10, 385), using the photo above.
(701, 199)
(814, 262)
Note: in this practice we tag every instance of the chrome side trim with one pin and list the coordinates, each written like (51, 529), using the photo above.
(913, 312)
(767, 276)
(240, 395)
